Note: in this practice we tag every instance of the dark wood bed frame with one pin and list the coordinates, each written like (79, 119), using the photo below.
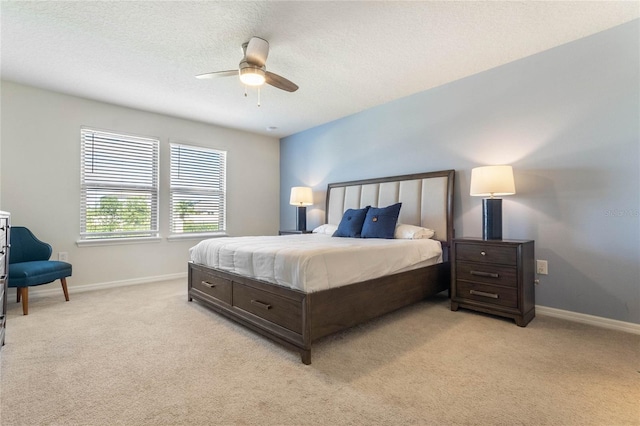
(296, 319)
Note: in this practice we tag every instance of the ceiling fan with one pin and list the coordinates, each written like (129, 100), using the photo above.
(252, 70)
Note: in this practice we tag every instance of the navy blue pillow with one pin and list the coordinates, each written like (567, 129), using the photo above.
(381, 222)
(351, 223)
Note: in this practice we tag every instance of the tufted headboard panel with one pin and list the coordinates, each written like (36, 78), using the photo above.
(427, 199)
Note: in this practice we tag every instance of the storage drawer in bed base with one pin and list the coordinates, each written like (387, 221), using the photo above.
(211, 285)
(271, 330)
(276, 312)
(295, 319)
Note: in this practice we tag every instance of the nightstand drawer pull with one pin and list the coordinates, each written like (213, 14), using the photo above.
(207, 284)
(485, 274)
(261, 304)
(482, 293)
(483, 253)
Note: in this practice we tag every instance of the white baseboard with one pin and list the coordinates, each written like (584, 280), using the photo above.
(99, 286)
(627, 327)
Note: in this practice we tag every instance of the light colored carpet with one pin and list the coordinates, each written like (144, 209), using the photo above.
(143, 355)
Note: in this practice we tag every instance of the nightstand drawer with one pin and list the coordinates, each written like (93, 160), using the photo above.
(487, 273)
(487, 293)
(486, 253)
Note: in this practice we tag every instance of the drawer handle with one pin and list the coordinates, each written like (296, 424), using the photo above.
(208, 284)
(482, 293)
(483, 253)
(485, 274)
(261, 304)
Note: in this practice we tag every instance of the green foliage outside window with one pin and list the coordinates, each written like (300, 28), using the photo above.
(115, 215)
(186, 211)
(190, 226)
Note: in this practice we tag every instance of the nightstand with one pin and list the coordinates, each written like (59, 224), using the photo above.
(293, 231)
(494, 277)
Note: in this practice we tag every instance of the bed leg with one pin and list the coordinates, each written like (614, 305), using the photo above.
(305, 354)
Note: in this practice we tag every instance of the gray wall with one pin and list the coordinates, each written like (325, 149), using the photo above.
(40, 179)
(567, 120)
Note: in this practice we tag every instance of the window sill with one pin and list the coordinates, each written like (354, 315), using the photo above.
(117, 241)
(200, 236)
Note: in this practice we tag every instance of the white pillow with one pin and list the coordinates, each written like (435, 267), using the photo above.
(326, 229)
(412, 232)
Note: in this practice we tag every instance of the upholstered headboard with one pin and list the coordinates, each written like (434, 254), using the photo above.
(427, 199)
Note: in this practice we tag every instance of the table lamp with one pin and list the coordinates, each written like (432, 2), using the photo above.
(301, 196)
(492, 181)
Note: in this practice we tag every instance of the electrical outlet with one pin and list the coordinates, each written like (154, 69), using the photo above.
(541, 267)
(63, 256)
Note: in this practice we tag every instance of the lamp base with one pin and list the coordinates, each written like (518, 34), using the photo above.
(302, 218)
(492, 219)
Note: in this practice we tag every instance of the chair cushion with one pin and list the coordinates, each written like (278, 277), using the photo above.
(25, 274)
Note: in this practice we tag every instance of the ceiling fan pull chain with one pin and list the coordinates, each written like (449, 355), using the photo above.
(258, 96)
(245, 91)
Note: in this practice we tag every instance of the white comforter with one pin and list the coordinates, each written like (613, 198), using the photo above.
(314, 262)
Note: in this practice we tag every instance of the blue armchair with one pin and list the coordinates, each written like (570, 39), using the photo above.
(29, 265)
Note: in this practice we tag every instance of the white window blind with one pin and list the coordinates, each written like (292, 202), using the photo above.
(198, 189)
(119, 186)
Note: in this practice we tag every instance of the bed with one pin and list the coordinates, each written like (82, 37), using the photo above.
(296, 307)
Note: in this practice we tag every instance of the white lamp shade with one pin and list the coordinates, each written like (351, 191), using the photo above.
(301, 196)
(492, 180)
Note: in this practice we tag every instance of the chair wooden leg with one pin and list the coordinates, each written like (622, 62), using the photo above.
(17, 294)
(64, 288)
(25, 299)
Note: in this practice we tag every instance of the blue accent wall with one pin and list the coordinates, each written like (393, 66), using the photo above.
(567, 120)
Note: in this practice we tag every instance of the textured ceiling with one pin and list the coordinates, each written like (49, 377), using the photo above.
(345, 56)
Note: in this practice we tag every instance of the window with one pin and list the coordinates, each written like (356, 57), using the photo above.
(119, 186)
(198, 190)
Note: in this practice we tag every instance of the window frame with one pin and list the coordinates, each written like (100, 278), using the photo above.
(206, 191)
(145, 180)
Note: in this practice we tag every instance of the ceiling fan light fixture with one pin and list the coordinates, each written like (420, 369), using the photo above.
(252, 76)
(252, 70)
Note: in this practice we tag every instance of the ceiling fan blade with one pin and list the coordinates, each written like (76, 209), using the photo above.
(257, 51)
(217, 74)
(280, 82)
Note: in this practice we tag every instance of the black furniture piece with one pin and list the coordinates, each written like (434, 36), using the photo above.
(494, 277)
(5, 227)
